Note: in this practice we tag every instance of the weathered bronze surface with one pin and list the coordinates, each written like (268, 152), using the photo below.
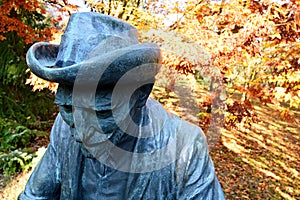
(110, 140)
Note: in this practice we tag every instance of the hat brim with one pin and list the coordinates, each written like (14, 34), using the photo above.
(106, 68)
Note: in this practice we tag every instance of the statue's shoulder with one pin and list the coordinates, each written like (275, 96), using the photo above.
(192, 130)
(185, 132)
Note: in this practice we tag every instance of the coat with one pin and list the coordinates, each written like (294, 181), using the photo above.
(69, 171)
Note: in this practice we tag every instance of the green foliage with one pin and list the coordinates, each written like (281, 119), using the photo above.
(15, 150)
(20, 116)
(12, 62)
(14, 135)
(21, 110)
(20, 104)
(14, 161)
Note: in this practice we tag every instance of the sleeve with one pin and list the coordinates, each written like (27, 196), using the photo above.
(197, 173)
(44, 182)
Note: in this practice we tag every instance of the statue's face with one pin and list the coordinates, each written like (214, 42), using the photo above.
(87, 126)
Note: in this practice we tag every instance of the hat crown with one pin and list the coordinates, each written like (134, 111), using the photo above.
(87, 30)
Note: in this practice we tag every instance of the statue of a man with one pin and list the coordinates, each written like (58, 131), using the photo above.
(110, 141)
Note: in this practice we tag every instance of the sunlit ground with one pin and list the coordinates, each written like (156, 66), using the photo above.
(261, 162)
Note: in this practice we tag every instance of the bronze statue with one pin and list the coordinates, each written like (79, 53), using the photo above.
(110, 140)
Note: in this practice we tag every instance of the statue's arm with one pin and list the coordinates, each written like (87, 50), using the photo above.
(44, 182)
(199, 180)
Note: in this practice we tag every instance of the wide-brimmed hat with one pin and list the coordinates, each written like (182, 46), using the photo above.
(94, 47)
(89, 35)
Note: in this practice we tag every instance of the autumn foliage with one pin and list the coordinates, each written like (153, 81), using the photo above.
(14, 17)
(256, 46)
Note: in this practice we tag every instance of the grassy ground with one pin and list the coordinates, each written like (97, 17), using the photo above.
(257, 162)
